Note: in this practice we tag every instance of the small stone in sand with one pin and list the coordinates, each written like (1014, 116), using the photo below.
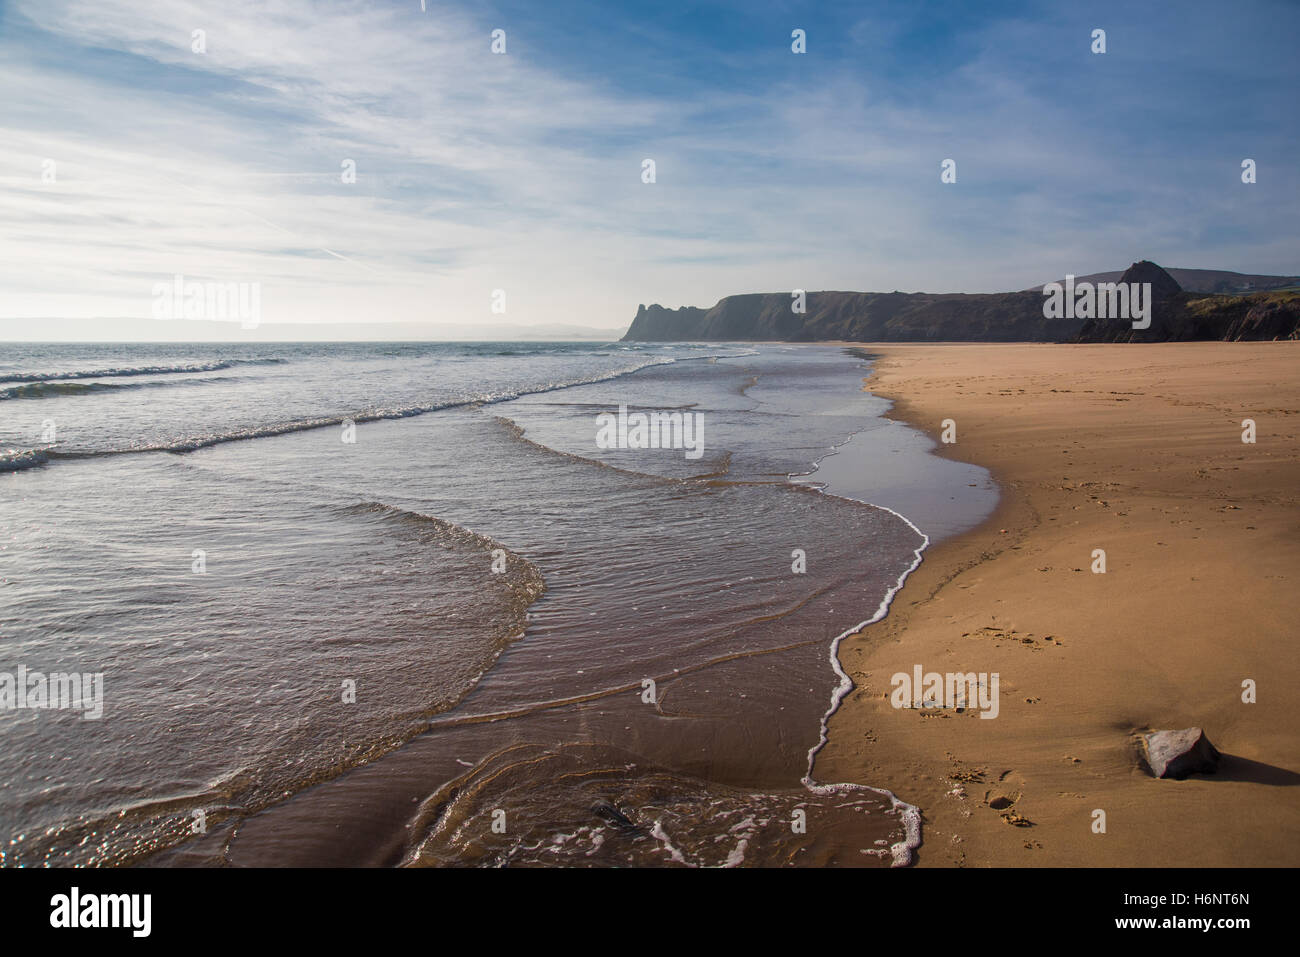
(1176, 754)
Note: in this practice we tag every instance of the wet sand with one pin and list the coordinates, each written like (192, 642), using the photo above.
(1137, 450)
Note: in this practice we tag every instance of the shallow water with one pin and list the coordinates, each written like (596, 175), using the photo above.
(618, 650)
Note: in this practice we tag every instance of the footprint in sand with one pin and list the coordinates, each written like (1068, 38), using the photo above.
(1003, 798)
(999, 635)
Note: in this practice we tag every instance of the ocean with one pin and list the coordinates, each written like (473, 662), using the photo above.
(407, 603)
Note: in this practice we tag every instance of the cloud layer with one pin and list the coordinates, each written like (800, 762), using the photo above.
(522, 171)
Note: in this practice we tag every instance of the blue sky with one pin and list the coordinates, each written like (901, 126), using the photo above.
(522, 172)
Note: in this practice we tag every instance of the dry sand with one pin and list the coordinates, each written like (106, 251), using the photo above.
(1137, 450)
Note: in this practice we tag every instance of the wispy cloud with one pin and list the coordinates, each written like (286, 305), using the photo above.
(476, 171)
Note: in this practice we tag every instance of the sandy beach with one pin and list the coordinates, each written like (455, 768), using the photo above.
(1136, 450)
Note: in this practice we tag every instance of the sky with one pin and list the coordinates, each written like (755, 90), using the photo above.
(506, 189)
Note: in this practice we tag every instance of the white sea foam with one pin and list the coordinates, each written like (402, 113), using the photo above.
(910, 815)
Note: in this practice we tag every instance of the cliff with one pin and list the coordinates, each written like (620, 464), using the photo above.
(961, 317)
(861, 316)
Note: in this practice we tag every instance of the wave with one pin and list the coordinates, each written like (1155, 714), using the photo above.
(194, 443)
(131, 830)
(15, 460)
(46, 390)
(590, 805)
(137, 370)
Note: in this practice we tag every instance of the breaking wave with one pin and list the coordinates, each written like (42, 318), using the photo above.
(181, 369)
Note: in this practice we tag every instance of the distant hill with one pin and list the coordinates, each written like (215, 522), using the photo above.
(1203, 280)
(1177, 314)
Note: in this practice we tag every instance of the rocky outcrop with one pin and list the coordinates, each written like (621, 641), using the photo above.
(1257, 317)
(1176, 754)
(1179, 316)
(1165, 304)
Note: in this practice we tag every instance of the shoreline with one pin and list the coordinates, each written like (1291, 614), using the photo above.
(903, 853)
(1088, 660)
